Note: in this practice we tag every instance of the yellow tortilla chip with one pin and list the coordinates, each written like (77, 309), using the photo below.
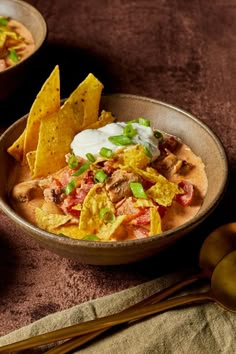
(150, 174)
(82, 106)
(104, 118)
(71, 231)
(113, 230)
(55, 136)
(30, 157)
(17, 148)
(135, 157)
(155, 222)
(163, 191)
(46, 102)
(95, 200)
(50, 221)
(58, 129)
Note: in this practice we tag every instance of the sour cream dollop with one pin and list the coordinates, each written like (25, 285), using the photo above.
(92, 140)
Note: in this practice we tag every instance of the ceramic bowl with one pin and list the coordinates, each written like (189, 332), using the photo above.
(163, 116)
(13, 77)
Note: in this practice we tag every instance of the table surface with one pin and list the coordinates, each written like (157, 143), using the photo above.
(180, 52)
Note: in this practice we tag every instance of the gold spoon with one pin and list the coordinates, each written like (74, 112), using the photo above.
(218, 243)
(224, 237)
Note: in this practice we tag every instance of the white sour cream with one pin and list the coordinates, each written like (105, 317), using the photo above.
(92, 140)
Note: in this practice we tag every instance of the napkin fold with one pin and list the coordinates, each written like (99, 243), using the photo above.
(203, 328)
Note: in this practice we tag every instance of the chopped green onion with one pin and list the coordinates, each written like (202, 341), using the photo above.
(137, 190)
(105, 152)
(13, 55)
(100, 176)
(107, 215)
(90, 157)
(132, 121)
(3, 21)
(120, 140)
(129, 131)
(73, 162)
(145, 122)
(147, 151)
(91, 237)
(70, 187)
(82, 169)
(158, 135)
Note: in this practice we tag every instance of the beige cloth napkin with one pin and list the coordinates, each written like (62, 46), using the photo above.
(196, 329)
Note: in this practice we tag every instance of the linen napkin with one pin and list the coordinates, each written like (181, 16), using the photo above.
(203, 328)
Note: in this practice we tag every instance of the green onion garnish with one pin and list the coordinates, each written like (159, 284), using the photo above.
(70, 187)
(120, 140)
(137, 190)
(3, 21)
(105, 152)
(145, 122)
(158, 135)
(73, 162)
(13, 55)
(129, 131)
(82, 169)
(90, 157)
(147, 151)
(107, 215)
(91, 237)
(132, 121)
(100, 176)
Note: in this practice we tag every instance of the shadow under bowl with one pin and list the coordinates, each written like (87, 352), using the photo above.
(170, 119)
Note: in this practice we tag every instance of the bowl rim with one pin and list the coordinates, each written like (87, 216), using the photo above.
(44, 34)
(189, 225)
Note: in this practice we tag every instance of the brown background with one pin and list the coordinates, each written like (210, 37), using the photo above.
(178, 51)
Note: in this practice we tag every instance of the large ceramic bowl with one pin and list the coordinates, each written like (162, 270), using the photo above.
(163, 116)
(32, 19)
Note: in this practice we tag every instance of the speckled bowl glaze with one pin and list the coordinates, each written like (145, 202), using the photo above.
(163, 116)
(12, 78)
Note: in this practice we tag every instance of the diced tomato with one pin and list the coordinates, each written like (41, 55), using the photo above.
(140, 232)
(88, 178)
(144, 218)
(161, 210)
(65, 176)
(127, 208)
(147, 184)
(186, 198)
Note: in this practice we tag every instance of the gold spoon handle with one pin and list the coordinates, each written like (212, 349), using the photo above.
(153, 299)
(104, 322)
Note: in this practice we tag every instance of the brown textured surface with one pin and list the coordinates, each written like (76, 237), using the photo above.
(181, 52)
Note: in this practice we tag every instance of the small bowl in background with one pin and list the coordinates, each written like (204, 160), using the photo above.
(170, 119)
(13, 77)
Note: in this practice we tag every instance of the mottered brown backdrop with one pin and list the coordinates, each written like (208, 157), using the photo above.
(178, 51)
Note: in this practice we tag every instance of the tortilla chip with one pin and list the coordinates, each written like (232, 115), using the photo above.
(104, 119)
(163, 191)
(30, 157)
(55, 136)
(135, 157)
(150, 174)
(113, 230)
(50, 221)
(71, 231)
(82, 106)
(46, 102)
(155, 222)
(17, 148)
(95, 200)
